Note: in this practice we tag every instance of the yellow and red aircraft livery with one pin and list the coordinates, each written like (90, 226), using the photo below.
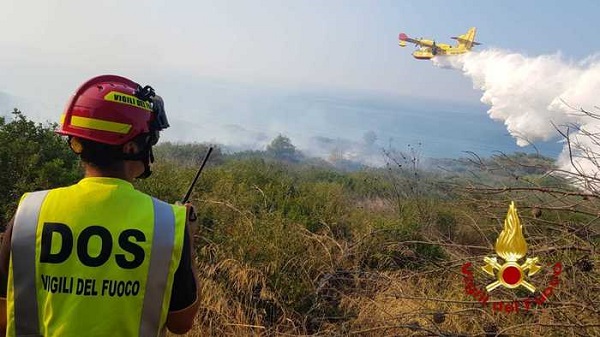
(428, 48)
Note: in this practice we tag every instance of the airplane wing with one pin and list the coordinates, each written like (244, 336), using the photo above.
(403, 37)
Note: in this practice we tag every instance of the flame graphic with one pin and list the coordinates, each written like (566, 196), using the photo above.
(511, 245)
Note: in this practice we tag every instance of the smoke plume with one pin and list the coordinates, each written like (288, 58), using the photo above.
(538, 98)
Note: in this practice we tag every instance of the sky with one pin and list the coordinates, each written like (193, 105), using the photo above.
(48, 48)
(343, 44)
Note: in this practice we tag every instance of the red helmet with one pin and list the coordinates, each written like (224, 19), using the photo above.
(113, 110)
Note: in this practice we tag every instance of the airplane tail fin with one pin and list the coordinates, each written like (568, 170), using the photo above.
(467, 40)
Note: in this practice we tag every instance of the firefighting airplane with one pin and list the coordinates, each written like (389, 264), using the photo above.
(428, 48)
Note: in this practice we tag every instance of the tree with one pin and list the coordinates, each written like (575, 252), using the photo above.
(281, 148)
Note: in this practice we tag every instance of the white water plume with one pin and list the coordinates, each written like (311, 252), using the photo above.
(536, 97)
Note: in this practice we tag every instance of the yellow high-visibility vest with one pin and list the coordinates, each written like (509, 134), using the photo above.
(93, 259)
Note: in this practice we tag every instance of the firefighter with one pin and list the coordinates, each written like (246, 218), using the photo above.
(100, 258)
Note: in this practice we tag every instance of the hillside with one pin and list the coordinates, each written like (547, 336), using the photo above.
(289, 245)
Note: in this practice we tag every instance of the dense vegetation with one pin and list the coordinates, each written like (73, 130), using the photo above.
(293, 246)
(32, 157)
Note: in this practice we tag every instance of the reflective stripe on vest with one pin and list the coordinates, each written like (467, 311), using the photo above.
(23, 245)
(160, 259)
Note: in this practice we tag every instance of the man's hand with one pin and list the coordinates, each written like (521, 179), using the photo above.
(191, 219)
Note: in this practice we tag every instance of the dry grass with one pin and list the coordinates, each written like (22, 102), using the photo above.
(427, 299)
(285, 256)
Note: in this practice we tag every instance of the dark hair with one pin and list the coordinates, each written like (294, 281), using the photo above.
(102, 156)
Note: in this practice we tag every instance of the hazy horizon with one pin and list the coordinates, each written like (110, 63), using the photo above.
(350, 124)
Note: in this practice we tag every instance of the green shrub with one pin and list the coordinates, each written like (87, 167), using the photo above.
(32, 157)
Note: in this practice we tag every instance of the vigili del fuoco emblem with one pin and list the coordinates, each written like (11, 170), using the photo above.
(511, 247)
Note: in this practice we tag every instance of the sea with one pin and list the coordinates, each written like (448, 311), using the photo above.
(353, 125)
(356, 126)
